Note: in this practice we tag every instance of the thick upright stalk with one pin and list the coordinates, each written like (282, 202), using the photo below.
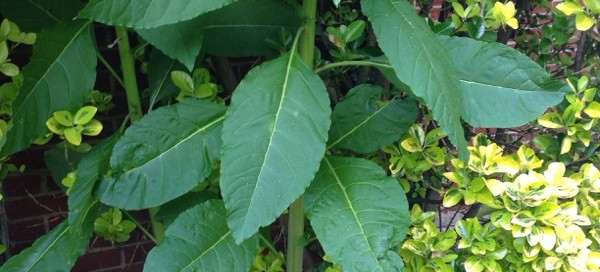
(295, 245)
(128, 68)
(134, 103)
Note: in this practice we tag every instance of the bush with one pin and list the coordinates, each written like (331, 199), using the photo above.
(347, 108)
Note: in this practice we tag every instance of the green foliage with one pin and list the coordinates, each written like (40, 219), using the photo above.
(363, 123)
(71, 126)
(215, 165)
(358, 213)
(111, 226)
(200, 240)
(147, 156)
(283, 104)
(64, 59)
(438, 87)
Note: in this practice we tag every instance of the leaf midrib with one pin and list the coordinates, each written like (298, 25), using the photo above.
(208, 249)
(277, 114)
(45, 11)
(49, 246)
(360, 125)
(68, 45)
(354, 213)
(201, 129)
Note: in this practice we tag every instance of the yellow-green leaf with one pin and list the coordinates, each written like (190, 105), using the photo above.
(412, 145)
(569, 7)
(495, 186)
(593, 109)
(84, 115)
(452, 197)
(54, 126)
(551, 120)
(92, 128)
(72, 135)
(583, 22)
(64, 118)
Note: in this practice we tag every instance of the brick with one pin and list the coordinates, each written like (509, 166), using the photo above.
(138, 252)
(95, 260)
(28, 207)
(21, 184)
(27, 231)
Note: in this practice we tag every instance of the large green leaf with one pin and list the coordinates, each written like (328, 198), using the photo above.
(273, 140)
(60, 75)
(240, 29)
(159, 77)
(358, 213)
(164, 155)
(420, 61)
(82, 204)
(56, 251)
(181, 41)
(35, 15)
(199, 240)
(148, 13)
(169, 211)
(501, 87)
(361, 123)
(243, 28)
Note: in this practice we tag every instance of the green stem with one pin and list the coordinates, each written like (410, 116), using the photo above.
(128, 68)
(272, 248)
(137, 223)
(110, 69)
(134, 104)
(295, 244)
(352, 63)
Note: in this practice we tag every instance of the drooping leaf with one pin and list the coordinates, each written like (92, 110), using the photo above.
(181, 41)
(83, 206)
(243, 28)
(200, 240)
(501, 87)
(164, 155)
(171, 210)
(274, 137)
(358, 213)
(240, 29)
(35, 15)
(56, 251)
(60, 75)
(420, 61)
(361, 124)
(159, 76)
(148, 13)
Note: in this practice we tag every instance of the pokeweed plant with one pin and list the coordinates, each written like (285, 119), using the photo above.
(213, 174)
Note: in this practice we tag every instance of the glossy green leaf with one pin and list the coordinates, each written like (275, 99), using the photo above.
(60, 75)
(64, 118)
(164, 155)
(421, 62)
(56, 251)
(159, 77)
(72, 135)
(199, 240)
(148, 13)
(83, 206)
(222, 32)
(35, 15)
(359, 122)
(501, 87)
(359, 214)
(274, 137)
